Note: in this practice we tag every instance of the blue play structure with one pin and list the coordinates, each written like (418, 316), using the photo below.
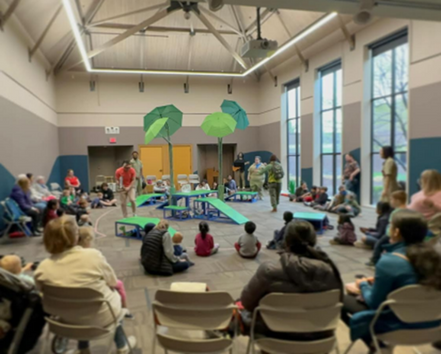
(316, 219)
(244, 197)
(214, 209)
(177, 213)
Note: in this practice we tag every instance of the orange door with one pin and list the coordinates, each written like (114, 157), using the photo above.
(152, 158)
(182, 161)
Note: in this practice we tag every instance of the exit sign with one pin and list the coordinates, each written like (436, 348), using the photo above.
(112, 140)
(111, 130)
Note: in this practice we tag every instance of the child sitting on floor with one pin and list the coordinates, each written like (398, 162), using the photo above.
(13, 265)
(350, 206)
(311, 196)
(178, 250)
(322, 199)
(248, 245)
(50, 212)
(82, 209)
(97, 202)
(86, 237)
(346, 232)
(338, 200)
(67, 198)
(84, 220)
(108, 199)
(372, 235)
(204, 242)
(277, 241)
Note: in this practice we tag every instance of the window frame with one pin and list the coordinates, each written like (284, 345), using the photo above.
(331, 68)
(293, 85)
(390, 43)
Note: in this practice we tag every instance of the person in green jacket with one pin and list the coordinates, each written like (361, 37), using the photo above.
(255, 178)
(275, 183)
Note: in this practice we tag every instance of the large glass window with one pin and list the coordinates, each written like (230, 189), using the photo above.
(331, 126)
(389, 103)
(293, 129)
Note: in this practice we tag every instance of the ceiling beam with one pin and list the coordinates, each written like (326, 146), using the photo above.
(145, 9)
(217, 18)
(43, 35)
(4, 17)
(221, 39)
(164, 29)
(92, 11)
(64, 55)
(350, 38)
(414, 10)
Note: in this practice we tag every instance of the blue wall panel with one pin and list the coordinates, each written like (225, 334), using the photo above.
(306, 176)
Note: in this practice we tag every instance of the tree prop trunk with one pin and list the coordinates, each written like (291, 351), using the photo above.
(220, 187)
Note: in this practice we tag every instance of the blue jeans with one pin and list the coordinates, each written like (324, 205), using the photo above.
(40, 206)
(350, 185)
(120, 340)
(370, 240)
(378, 249)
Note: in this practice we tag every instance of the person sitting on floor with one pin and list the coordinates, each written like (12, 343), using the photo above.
(203, 185)
(159, 187)
(50, 212)
(278, 237)
(404, 263)
(350, 206)
(108, 197)
(67, 198)
(96, 202)
(13, 265)
(372, 235)
(301, 192)
(248, 245)
(82, 209)
(70, 265)
(301, 268)
(312, 195)
(86, 237)
(346, 231)
(84, 220)
(320, 199)
(178, 250)
(204, 242)
(338, 200)
(22, 196)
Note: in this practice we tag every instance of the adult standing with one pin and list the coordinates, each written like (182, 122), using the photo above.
(137, 165)
(275, 175)
(350, 172)
(239, 164)
(428, 200)
(390, 173)
(72, 181)
(256, 179)
(126, 176)
(157, 253)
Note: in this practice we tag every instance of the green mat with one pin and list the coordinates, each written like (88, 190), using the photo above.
(224, 208)
(192, 193)
(142, 222)
(309, 216)
(145, 198)
(175, 207)
(245, 193)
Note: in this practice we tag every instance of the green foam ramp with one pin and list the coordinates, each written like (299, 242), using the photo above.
(142, 222)
(224, 208)
(145, 198)
(309, 216)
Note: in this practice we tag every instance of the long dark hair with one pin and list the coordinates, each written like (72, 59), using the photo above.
(51, 204)
(344, 218)
(204, 229)
(388, 151)
(384, 208)
(300, 239)
(240, 155)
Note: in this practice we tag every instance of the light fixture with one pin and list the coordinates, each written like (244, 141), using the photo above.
(364, 14)
(73, 23)
(215, 5)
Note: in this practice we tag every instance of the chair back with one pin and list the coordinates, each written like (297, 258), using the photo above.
(12, 210)
(55, 186)
(185, 187)
(301, 313)
(193, 179)
(416, 303)
(151, 178)
(182, 178)
(193, 310)
(99, 180)
(165, 177)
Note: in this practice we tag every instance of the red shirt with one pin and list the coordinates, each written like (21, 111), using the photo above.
(74, 182)
(127, 176)
(203, 246)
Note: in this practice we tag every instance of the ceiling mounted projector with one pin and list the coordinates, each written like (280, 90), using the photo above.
(215, 5)
(258, 48)
(364, 14)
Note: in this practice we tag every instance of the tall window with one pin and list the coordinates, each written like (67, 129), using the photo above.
(331, 126)
(293, 129)
(389, 107)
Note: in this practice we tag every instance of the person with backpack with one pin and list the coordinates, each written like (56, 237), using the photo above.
(275, 175)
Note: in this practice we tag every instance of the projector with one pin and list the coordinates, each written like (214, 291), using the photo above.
(258, 48)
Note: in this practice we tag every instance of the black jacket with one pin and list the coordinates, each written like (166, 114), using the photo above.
(153, 257)
(380, 227)
(108, 195)
(322, 199)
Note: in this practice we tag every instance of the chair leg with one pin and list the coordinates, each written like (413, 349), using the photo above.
(45, 342)
(249, 346)
(127, 340)
(349, 348)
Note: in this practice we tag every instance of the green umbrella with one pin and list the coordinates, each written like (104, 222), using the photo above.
(219, 125)
(171, 112)
(155, 129)
(237, 112)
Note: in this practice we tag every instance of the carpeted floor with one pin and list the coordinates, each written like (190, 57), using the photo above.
(224, 271)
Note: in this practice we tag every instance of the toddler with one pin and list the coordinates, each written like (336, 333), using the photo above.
(277, 240)
(67, 198)
(85, 240)
(248, 245)
(178, 250)
(50, 212)
(97, 202)
(372, 235)
(204, 242)
(12, 264)
(346, 231)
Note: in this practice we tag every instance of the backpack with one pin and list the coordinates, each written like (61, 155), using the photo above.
(278, 171)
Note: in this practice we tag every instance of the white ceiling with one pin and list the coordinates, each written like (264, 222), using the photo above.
(167, 44)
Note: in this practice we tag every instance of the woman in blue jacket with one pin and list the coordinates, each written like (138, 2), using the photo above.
(403, 264)
(22, 196)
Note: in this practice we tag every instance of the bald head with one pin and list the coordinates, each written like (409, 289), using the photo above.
(11, 263)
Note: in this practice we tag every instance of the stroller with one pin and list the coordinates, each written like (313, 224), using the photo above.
(26, 314)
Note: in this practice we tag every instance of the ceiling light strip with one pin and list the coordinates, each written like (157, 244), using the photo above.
(83, 52)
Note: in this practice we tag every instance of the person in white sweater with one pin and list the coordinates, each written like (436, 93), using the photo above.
(73, 266)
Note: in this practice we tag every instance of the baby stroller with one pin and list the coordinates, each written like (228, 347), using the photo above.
(25, 314)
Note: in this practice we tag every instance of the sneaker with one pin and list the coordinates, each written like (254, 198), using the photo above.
(134, 215)
(129, 316)
(361, 244)
(334, 242)
(370, 264)
(126, 349)
(274, 210)
(36, 234)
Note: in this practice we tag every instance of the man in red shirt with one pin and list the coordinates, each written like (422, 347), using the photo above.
(126, 176)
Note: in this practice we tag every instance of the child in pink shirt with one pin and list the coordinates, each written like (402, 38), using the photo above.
(204, 242)
(428, 200)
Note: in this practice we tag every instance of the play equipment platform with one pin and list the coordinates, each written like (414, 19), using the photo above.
(216, 210)
(176, 211)
(250, 197)
(146, 199)
(136, 224)
(316, 219)
(187, 196)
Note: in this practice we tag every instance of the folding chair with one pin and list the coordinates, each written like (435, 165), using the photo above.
(165, 178)
(193, 311)
(62, 302)
(55, 187)
(194, 180)
(411, 304)
(297, 313)
(182, 179)
(12, 215)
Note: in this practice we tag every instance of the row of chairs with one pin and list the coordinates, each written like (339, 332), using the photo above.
(181, 178)
(215, 312)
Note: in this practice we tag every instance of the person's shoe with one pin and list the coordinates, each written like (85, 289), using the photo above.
(36, 234)
(274, 210)
(361, 244)
(134, 215)
(370, 264)
(334, 242)
(126, 349)
(191, 264)
(129, 316)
